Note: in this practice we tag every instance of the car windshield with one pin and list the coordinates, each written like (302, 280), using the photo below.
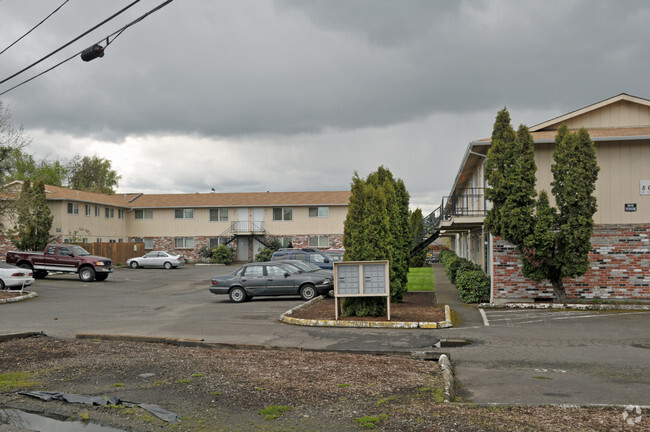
(79, 251)
(311, 266)
(294, 266)
(291, 269)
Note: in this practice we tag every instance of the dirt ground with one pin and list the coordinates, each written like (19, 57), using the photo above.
(285, 390)
(415, 307)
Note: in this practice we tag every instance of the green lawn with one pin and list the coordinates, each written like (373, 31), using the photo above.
(420, 279)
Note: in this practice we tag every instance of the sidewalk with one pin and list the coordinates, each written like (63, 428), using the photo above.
(447, 294)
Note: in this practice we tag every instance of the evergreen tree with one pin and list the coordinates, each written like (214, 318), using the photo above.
(553, 243)
(33, 218)
(416, 222)
(92, 174)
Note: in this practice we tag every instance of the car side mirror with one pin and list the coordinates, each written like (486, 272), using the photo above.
(326, 261)
(287, 274)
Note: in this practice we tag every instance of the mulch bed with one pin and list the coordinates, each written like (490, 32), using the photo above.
(8, 294)
(415, 307)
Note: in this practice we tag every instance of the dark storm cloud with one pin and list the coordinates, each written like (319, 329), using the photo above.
(221, 68)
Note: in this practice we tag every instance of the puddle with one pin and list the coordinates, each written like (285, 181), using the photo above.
(48, 422)
(447, 343)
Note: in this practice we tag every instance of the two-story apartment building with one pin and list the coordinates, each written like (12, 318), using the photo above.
(188, 222)
(620, 255)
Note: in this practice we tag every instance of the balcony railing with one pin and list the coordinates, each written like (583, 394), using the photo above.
(465, 202)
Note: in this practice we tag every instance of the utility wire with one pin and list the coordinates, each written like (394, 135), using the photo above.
(34, 28)
(115, 34)
(69, 43)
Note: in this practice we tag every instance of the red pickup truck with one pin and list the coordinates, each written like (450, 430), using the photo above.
(63, 258)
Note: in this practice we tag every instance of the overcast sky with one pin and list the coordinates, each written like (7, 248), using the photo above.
(295, 95)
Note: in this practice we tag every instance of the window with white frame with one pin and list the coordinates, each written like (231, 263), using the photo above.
(216, 241)
(319, 241)
(97, 211)
(219, 214)
(87, 209)
(109, 213)
(184, 213)
(185, 242)
(73, 208)
(99, 239)
(148, 243)
(120, 213)
(321, 212)
(287, 241)
(282, 213)
(143, 214)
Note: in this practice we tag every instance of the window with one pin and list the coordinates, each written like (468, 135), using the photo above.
(287, 241)
(112, 241)
(87, 209)
(109, 213)
(148, 243)
(282, 213)
(73, 208)
(319, 212)
(144, 214)
(184, 213)
(84, 240)
(120, 213)
(97, 211)
(253, 271)
(185, 242)
(219, 215)
(272, 270)
(99, 239)
(216, 241)
(319, 241)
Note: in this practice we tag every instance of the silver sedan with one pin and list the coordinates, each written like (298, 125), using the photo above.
(161, 259)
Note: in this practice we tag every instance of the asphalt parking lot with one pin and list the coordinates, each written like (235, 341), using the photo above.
(520, 357)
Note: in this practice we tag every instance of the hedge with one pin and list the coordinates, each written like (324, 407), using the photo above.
(472, 282)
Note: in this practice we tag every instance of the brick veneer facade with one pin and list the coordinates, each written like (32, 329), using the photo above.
(620, 269)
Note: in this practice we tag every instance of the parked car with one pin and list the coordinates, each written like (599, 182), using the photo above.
(311, 255)
(14, 277)
(66, 258)
(162, 259)
(335, 254)
(270, 279)
(307, 267)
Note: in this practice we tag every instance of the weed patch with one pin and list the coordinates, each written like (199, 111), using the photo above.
(274, 411)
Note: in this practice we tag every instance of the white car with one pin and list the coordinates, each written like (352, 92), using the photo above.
(12, 277)
(166, 260)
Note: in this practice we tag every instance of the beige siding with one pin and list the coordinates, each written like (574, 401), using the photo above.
(65, 225)
(620, 114)
(303, 224)
(623, 164)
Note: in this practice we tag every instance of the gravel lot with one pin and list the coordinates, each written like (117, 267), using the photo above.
(215, 390)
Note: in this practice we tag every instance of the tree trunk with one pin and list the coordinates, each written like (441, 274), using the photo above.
(558, 290)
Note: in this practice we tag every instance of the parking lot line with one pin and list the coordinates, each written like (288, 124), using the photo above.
(485, 318)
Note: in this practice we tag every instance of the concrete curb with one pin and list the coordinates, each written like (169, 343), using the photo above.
(572, 306)
(6, 337)
(27, 296)
(448, 376)
(288, 319)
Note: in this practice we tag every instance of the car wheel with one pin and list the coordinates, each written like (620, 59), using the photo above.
(40, 274)
(87, 274)
(134, 265)
(167, 265)
(308, 292)
(26, 266)
(2, 285)
(101, 276)
(237, 295)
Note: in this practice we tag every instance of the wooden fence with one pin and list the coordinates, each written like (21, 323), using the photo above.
(118, 252)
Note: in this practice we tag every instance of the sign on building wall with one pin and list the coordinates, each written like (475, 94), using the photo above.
(645, 187)
(361, 279)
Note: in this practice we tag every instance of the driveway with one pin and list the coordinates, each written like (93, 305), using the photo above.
(521, 357)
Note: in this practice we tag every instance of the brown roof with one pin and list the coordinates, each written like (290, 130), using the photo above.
(595, 133)
(251, 199)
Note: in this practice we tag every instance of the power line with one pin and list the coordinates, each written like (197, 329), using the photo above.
(33, 28)
(71, 42)
(115, 34)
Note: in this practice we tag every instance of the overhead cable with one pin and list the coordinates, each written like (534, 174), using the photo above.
(71, 42)
(114, 35)
(33, 28)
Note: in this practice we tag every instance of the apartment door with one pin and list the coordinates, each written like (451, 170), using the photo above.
(242, 248)
(258, 219)
(242, 220)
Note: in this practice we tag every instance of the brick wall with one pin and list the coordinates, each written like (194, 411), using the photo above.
(620, 269)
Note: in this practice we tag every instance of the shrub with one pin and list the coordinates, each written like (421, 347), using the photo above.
(222, 254)
(473, 286)
(264, 254)
(363, 306)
